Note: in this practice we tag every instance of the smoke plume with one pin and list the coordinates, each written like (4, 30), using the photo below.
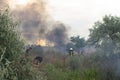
(3, 3)
(33, 21)
(58, 35)
(36, 24)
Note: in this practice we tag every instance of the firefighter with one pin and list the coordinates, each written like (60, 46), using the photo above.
(28, 51)
(71, 52)
(37, 60)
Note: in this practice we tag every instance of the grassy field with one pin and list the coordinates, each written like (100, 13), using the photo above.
(59, 66)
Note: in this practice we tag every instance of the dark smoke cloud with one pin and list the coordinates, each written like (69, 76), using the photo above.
(58, 35)
(36, 24)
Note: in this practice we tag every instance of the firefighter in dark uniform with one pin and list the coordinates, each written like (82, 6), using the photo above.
(37, 60)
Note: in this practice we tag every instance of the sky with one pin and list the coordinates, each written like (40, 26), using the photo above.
(80, 15)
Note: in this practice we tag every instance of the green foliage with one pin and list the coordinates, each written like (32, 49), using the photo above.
(73, 62)
(108, 28)
(9, 36)
(54, 73)
(78, 41)
(15, 71)
(90, 74)
(11, 49)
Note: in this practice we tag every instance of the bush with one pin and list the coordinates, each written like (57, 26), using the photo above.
(73, 62)
(53, 73)
(11, 49)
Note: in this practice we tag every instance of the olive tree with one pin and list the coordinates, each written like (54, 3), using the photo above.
(108, 28)
(105, 35)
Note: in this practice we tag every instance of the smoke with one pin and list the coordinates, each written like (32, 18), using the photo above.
(36, 24)
(3, 3)
(33, 21)
(58, 35)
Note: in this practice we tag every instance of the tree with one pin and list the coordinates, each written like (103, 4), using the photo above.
(108, 28)
(105, 34)
(78, 42)
(10, 40)
(11, 46)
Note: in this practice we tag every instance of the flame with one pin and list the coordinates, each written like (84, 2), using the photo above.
(41, 42)
(44, 42)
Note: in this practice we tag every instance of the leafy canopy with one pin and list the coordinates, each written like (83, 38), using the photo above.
(78, 41)
(108, 28)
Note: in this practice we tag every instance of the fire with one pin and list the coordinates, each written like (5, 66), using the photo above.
(44, 42)
(41, 42)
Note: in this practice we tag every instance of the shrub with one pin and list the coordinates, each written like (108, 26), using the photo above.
(11, 49)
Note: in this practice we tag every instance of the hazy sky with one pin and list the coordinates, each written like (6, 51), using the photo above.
(78, 15)
(81, 14)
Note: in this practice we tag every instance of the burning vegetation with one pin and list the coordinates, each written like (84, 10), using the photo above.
(41, 42)
(97, 58)
(44, 43)
(37, 26)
